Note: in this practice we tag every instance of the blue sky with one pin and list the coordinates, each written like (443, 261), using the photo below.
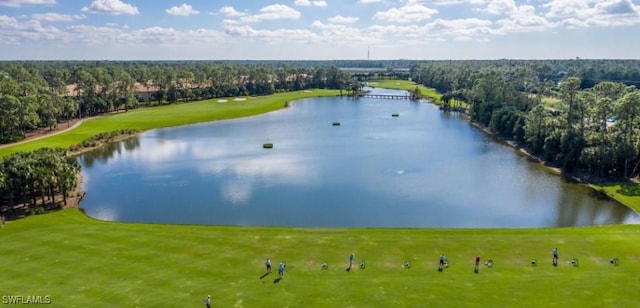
(318, 29)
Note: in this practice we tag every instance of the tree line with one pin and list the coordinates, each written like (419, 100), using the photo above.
(579, 125)
(30, 182)
(41, 94)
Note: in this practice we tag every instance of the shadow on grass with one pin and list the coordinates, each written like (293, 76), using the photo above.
(265, 275)
(277, 280)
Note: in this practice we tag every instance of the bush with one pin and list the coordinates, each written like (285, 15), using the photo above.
(103, 138)
(37, 210)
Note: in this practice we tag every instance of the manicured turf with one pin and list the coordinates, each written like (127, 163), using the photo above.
(171, 115)
(81, 262)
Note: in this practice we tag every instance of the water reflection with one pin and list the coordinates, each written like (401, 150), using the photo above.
(422, 169)
(107, 151)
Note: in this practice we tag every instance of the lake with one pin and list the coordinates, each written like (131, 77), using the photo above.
(424, 168)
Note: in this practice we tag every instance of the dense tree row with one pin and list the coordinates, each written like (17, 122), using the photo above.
(567, 121)
(31, 181)
(42, 94)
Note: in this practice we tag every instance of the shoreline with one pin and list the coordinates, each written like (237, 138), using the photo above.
(519, 150)
(77, 195)
(584, 180)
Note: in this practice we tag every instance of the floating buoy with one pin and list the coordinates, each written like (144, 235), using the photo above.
(336, 124)
(267, 145)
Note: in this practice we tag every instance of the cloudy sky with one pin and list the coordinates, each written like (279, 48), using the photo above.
(318, 29)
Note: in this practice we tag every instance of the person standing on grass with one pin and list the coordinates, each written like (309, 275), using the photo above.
(268, 265)
(351, 259)
(281, 268)
(555, 256)
(207, 301)
(476, 268)
(441, 264)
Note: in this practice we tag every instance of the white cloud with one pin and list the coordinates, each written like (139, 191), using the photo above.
(343, 20)
(566, 8)
(302, 2)
(500, 7)
(450, 2)
(320, 3)
(369, 1)
(19, 3)
(590, 13)
(342, 34)
(272, 12)
(182, 10)
(13, 31)
(272, 36)
(412, 12)
(113, 7)
(55, 17)
(523, 19)
(460, 27)
(230, 12)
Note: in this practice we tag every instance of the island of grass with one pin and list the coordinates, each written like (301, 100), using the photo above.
(78, 261)
(267, 145)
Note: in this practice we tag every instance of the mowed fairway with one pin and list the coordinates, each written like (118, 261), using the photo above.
(170, 115)
(81, 262)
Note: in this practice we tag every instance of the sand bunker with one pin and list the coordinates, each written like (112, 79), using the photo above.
(307, 91)
(239, 99)
(222, 101)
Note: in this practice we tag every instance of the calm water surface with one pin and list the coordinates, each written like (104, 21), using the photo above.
(424, 168)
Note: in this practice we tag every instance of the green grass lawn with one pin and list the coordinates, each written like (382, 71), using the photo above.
(171, 115)
(81, 262)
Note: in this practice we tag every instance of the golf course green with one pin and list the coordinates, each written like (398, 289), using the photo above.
(82, 262)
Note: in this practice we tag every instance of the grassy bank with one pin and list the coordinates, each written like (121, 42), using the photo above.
(164, 116)
(407, 85)
(81, 262)
(626, 193)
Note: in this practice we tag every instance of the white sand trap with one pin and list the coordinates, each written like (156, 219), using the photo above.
(222, 101)
(239, 99)
(307, 91)
(253, 97)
